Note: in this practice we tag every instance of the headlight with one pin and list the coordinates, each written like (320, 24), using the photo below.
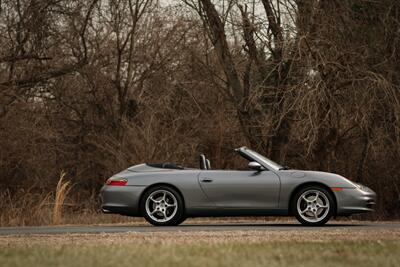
(362, 187)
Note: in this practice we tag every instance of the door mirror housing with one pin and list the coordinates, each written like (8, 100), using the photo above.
(256, 166)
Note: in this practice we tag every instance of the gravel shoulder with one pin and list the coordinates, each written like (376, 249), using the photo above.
(209, 237)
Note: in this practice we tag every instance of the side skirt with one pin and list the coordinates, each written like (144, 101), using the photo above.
(216, 212)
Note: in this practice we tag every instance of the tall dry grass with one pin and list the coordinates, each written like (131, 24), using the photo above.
(28, 207)
(62, 190)
(31, 209)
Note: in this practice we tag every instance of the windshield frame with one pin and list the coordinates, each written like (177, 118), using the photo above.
(267, 163)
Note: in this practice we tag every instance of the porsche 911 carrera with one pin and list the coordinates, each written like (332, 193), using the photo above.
(166, 194)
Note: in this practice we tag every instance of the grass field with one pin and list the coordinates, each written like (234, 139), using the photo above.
(240, 248)
(350, 253)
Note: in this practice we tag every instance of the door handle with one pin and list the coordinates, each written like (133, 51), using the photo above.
(206, 180)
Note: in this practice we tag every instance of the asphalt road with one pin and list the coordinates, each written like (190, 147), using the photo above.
(46, 230)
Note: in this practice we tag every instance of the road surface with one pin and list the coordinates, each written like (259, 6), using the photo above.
(46, 230)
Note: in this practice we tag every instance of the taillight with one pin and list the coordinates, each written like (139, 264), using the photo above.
(116, 182)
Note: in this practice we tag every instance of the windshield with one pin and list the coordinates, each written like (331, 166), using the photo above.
(275, 166)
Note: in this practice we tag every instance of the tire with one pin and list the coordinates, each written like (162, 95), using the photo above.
(157, 206)
(182, 220)
(313, 205)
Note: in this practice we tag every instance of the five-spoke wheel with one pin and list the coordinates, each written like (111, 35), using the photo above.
(313, 205)
(162, 205)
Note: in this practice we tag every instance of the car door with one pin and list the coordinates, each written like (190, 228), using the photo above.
(241, 189)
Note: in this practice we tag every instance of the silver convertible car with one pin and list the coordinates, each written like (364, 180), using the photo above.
(167, 194)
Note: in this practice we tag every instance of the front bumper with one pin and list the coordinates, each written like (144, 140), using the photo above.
(122, 200)
(355, 200)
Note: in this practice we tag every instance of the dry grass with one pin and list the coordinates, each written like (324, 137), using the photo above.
(25, 208)
(199, 237)
(62, 190)
(231, 248)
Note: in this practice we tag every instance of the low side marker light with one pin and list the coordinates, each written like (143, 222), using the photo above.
(335, 189)
(116, 182)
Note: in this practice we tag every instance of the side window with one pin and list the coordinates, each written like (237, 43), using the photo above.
(232, 162)
(241, 164)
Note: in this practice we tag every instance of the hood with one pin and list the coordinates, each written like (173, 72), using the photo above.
(328, 178)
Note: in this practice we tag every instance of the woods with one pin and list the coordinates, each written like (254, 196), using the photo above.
(89, 87)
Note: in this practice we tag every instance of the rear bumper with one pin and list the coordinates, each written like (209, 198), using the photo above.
(118, 210)
(122, 200)
(354, 200)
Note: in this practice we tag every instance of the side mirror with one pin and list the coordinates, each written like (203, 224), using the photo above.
(256, 166)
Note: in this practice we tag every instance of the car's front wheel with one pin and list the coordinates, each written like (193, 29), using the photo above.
(162, 206)
(313, 205)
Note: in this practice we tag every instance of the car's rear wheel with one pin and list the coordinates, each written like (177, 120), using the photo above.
(313, 205)
(162, 206)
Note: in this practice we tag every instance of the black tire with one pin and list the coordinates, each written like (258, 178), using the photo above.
(325, 218)
(176, 219)
(183, 218)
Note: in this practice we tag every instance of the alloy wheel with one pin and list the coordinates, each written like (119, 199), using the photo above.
(313, 206)
(161, 206)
